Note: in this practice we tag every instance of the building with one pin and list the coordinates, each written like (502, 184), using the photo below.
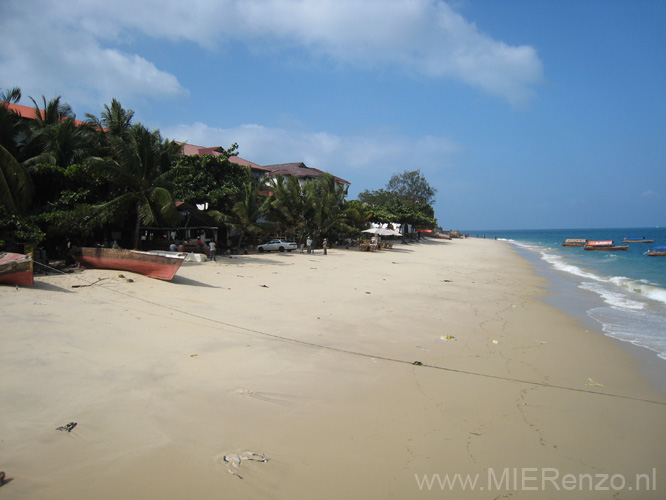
(300, 169)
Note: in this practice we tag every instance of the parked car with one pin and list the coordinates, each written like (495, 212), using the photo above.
(279, 245)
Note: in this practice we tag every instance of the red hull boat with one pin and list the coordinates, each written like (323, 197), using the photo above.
(16, 269)
(607, 245)
(151, 265)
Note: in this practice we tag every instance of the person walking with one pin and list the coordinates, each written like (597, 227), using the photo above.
(325, 245)
(213, 249)
(309, 244)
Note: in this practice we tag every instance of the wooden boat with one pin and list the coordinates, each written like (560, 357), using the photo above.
(637, 240)
(606, 245)
(573, 242)
(151, 265)
(659, 251)
(16, 269)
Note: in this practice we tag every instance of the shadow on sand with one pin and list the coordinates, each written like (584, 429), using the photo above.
(48, 287)
(181, 280)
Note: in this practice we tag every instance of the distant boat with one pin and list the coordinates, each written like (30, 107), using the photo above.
(151, 265)
(606, 245)
(659, 251)
(16, 269)
(572, 242)
(636, 239)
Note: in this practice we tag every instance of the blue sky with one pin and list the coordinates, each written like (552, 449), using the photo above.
(523, 114)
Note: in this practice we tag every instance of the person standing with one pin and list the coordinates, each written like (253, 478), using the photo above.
(213, 249)
(325, 245)
(302, 244)
(309, 244)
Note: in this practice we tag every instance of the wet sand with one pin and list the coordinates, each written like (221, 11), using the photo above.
(292, 376)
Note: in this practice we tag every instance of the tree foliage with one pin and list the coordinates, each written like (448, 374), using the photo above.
(407, 199)
(413, 186)
(213, 180)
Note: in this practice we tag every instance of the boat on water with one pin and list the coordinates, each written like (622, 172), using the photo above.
(658, 251)
(604, 245)
(16, 269)
(574, 242)
(148, 264)
(636, 239)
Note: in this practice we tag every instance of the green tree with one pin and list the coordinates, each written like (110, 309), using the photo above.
(13, 128)
(407, 199)
(412, 186)
(325, 198)
(140, 167)
(210, 179)
(15, 184)
(246, 214)
(289, 207)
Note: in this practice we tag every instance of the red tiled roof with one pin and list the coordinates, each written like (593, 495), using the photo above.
(193, 150)
(241, 161)
(28, 112)
(299, 170)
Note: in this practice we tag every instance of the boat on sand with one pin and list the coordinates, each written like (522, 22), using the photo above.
(605, 245)
(148, 264)
(16, 269)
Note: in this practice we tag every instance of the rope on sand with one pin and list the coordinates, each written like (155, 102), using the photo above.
(363, 354)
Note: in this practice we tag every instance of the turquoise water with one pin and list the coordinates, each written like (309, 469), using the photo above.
(630, 285)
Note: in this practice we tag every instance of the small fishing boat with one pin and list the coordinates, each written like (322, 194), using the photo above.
(605, 245)
(16, 269)
(573, 242)
(637, 240)
(148, 264)
(658, 251)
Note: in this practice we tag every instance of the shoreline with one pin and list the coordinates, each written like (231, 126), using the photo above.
(178, 388)
(564, 293)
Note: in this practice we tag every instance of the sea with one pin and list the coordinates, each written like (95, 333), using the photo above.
(623, 292)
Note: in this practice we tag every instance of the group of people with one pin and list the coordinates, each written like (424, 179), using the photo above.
(199, 247)
(310, 245)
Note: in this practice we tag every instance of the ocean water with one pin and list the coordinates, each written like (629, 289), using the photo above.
(629, 285)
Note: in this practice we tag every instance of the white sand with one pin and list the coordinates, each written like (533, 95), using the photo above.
(165, 379)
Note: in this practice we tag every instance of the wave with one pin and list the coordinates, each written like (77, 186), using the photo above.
(561, 265)
(639, 328)
(614, 299)
(642, 288)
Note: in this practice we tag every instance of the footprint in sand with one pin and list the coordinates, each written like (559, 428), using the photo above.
(276, 397)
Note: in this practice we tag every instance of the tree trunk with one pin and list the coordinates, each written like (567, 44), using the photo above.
(240, 240)
(138, 226)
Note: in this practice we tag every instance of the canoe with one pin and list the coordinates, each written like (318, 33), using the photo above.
(151, 265)
(659, 251)
(16, 269)
(604, 245)
(573, 242)
(637, 240)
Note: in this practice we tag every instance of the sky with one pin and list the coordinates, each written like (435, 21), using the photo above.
(523, 114)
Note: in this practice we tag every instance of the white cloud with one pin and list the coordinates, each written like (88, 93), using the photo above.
(41, 52)
(89, 44)
(650, 195)
(348, 157)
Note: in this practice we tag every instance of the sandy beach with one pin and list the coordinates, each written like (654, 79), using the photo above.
(293, 376)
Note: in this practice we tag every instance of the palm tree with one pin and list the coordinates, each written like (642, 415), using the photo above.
(12, 128)
(325, 196)
(15, 184)
(246, 214)
(141, 168)
(56, 138)
(288, 205)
